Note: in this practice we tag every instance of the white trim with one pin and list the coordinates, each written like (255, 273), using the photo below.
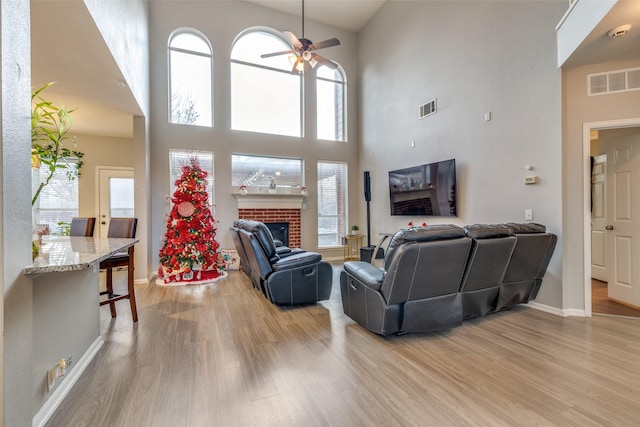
(269, 201)
(587, 127)
(58, 395)
(570, 312)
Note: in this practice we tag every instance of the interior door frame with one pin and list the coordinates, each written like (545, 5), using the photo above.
(98, 170)
(587, 127)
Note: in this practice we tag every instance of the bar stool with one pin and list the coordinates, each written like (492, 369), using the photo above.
(120, 228)
(82, 226)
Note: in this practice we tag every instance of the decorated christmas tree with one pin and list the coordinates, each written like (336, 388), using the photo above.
(190, 251)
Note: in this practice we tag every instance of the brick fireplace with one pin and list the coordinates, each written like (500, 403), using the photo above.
(274, 208)
(292, 216)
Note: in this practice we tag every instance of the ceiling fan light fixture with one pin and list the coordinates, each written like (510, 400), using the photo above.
(313, 62)
(293, 59)
(306, 55)
(619, 31)
(300, 65)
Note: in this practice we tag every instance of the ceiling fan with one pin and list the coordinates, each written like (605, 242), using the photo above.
(303, 50)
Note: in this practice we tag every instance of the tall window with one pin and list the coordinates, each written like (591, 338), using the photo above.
(332, 203)
(180, 158)
(257, 173)
(331, 96)
(190, 73)
(58, 201)
(265, 95)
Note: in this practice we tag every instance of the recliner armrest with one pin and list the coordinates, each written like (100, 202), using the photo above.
(367, 274)
(296, 260)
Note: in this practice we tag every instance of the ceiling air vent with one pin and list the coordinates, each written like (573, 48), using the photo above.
(613, 81)
(427, 109)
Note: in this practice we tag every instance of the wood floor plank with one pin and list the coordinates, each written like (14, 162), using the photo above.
(222, 355)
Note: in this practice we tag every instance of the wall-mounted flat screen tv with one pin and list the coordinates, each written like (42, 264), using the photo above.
(428, 189)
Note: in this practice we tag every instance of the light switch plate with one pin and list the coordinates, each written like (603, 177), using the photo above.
(528, 214)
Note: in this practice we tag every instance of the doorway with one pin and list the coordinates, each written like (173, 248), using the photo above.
(611, 284)
(114, 196)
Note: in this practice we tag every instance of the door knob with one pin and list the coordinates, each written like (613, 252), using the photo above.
(609, 227)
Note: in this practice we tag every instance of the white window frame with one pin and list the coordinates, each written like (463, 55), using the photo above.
(271, 33)
(48, 193)
(170, 49)
(342, 230)
(259, 180)
(178, 158)
(340, 120)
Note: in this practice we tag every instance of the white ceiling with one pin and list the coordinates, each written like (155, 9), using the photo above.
(89, 80)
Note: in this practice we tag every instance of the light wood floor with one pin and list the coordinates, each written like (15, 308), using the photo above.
(221, 355)
(601, 304)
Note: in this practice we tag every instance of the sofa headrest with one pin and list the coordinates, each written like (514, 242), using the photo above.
(422, 234)
(487, 231)
(526, 228)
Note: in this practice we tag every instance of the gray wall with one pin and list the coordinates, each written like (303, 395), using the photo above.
(16, 204)
(578, 108)
(474, 58)
(221, 22)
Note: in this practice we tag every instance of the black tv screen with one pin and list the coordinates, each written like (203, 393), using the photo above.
(428, 189)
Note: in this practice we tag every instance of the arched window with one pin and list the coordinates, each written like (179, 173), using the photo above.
(190, 77)
(265, 95)
(331, 95)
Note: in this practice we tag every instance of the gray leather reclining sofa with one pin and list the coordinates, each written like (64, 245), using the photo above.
(434, 277)
(285, 276)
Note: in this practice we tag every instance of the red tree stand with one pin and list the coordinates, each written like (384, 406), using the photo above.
(190, 251)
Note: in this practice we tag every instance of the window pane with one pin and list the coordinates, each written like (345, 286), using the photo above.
(190, 89)
(180, 158)
(122, 198)
(330, 105)
(191, 42)
(265, 101)
(250, 46)
(256, 172)
(266, 96)
(332, 203)
(58, 201)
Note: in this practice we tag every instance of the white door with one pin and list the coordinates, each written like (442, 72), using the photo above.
(599, 218)
(623, 241)
(115, 196)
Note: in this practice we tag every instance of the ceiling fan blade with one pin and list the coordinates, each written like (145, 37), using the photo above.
(324, 61)
(294, 40)
(284, 52)
(325, 43)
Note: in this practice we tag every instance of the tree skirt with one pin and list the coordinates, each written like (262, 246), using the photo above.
(193, 277)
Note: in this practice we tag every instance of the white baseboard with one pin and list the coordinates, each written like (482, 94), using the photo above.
(58, 395)
(557, 311)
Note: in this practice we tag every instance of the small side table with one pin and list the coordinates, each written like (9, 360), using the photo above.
(352, 248)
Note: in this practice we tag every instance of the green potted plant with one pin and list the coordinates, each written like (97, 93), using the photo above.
(50, 134)
(50, 140)
(354, 229)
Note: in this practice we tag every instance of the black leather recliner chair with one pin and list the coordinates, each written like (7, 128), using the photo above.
(417, 290)
(527, 265)
(286, 276)
(491, 249)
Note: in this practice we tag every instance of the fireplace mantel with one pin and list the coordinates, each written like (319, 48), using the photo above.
(269, 201)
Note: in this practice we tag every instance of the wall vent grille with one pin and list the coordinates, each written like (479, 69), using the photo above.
(427, 109)
(613, 81)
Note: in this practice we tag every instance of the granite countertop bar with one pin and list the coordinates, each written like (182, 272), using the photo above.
(63, 253)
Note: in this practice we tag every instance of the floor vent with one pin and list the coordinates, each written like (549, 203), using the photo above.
(613, 81)
(427, 109)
